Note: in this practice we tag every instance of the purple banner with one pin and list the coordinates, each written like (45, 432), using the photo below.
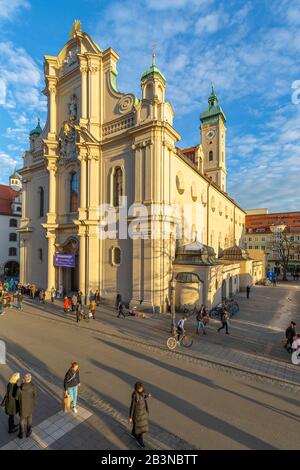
(64, 261)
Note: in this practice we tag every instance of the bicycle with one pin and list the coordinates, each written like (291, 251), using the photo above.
(185, 340)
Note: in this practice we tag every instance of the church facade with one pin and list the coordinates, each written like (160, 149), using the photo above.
(102, 151)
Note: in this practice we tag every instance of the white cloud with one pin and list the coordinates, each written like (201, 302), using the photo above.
(2, 91)
(9, 8)
(6, 161)
(210, 23)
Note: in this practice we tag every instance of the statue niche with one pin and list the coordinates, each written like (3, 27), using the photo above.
(67, 144)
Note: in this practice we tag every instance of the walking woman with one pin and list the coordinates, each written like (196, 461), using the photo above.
(139, 413)
(71, 384)
(10, 402)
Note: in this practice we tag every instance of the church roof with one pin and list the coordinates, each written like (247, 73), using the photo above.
(214, 110)
(153, 70)
(235, 253)
(38, 130)
(195, 253)
(7, 196)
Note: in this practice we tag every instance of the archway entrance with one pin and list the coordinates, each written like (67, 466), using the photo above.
(69, 277)
(224, 290)
(12, 269)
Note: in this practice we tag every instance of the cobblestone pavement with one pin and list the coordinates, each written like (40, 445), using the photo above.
(194, 405)
(254, 345)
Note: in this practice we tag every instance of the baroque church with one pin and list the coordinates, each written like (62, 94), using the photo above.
(104, 148)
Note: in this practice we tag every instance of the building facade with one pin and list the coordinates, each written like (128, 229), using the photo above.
(10, 216)
(261, 234)
(104, 151)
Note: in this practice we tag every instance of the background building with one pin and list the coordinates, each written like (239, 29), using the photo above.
(10, 215)
(271, 232)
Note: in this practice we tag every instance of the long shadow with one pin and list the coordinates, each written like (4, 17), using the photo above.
(191, 411)
(276, 395)
(199, 378)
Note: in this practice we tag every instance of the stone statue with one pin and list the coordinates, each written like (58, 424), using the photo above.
(73, 108)
(67, 141)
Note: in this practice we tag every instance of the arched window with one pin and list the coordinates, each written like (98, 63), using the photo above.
(116, 256)
(13, 223)
(74, 193)
(211, 155)
(117, 186)
(12, 252)
(12, 237)
(41, 201)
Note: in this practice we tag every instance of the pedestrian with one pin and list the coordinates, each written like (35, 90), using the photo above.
(71, 384)
(79, 297)
(19, 300)
(248, 291)
(139, 413)
(67, 305)
(53, 294)
(290, 334)
(78, 313)
(201, 320)
(10, 402)
(74, 302)
(118, 300)
(97, 297)
(26, 397)
(92, 308)
(224, 320)
(41, 296)
(121, 310)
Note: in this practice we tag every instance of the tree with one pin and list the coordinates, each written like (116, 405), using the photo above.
(283, 247)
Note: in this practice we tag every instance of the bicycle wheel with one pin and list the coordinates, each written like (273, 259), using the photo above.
(214, 313)
(187, 341)
(296, 357)
(172, 342)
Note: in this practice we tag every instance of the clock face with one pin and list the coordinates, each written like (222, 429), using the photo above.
(210, 134)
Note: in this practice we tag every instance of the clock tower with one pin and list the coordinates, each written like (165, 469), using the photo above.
(213, 138)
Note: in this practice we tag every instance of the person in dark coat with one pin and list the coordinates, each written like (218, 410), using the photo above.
(118, 300)
(139, 413)
(26, 397)
(248, 291)
(10, 402)
(290, 334)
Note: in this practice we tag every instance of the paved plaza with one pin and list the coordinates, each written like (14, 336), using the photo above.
(226, 392)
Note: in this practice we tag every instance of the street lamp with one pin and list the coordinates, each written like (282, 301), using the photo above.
(172, 302)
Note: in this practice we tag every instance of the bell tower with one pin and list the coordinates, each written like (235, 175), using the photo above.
(213, 138)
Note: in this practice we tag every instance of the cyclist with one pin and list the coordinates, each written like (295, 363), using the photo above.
(180, 327)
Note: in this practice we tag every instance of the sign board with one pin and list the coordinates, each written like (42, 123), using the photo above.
(64, 261)
(271, 275)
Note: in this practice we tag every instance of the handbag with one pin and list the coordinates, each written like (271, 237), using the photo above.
(66, 402)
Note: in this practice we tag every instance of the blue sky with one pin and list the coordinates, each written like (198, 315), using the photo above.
(250, 50)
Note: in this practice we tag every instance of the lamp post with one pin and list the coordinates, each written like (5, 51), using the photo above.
(172, 302)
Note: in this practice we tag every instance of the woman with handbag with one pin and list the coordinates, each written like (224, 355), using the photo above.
(10, 402)
(71, 384)
(139, 413)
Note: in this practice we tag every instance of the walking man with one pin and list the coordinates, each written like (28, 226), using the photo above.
(248, 291)
(118, 300)
(19, 300)
(201, 316)
(290, 334)
(53, 294)
(26, 397)
(224, 320)
(121, 311)
(74, 302)
(71, 384)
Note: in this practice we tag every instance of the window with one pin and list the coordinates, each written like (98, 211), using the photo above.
(116, 256)
(250, 239)
(13, 223)
(12, 237)
(211, 155)
(256, 247)
(117, 186)
(12, 252)
(19, 209)
(40, 252)
(41, 202)
(250, 247)
(74, 193)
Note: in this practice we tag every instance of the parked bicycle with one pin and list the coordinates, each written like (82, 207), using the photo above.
(184, 340)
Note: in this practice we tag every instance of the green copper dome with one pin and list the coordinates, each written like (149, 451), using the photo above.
(214, 110)
(153, 70)
(38, 130)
